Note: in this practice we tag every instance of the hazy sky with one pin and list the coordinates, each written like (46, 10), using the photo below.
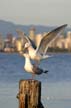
(43, 12)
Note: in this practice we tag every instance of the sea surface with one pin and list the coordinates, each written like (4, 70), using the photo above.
(56, 85)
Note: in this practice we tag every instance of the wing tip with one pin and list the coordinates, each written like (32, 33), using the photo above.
(64, 25)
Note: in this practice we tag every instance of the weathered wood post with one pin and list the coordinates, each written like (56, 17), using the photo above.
(29, 94)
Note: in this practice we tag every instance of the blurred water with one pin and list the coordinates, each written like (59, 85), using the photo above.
(56, 85)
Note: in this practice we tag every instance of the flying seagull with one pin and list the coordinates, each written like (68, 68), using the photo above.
(40, 52)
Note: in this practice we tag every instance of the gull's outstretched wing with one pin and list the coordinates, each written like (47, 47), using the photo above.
(48, 38)
(22, 35)
(25, 38)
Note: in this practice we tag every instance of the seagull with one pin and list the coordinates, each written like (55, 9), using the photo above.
(32, 68)
(40, 52)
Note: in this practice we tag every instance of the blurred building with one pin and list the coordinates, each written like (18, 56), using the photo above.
(68, 41)
(38, 38)
(1, 42)
(9, 43)
(62, 42)
(32, 33)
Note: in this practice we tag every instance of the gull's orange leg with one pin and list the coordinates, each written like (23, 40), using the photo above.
(33, 75)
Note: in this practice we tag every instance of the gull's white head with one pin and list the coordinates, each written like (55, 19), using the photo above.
(27, 45)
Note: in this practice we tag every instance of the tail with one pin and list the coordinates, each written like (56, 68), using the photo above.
(46, 71)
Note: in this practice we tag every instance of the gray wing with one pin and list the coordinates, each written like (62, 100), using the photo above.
(48, 38)
(25, 38)
(22, 35)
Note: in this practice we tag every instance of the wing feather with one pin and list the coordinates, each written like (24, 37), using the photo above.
(22, 35)
(25, 38)
(48, 38)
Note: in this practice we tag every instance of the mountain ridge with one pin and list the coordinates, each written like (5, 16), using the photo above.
(10, 27)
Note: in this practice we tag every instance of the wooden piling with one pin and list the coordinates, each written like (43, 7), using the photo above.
(29, 94)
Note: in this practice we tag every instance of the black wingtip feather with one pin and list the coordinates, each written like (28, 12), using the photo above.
(46, 71)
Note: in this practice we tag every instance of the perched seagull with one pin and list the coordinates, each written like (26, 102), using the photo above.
(32, 68)
(40, 52)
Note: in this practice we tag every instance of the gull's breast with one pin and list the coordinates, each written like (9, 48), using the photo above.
(28, 68)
